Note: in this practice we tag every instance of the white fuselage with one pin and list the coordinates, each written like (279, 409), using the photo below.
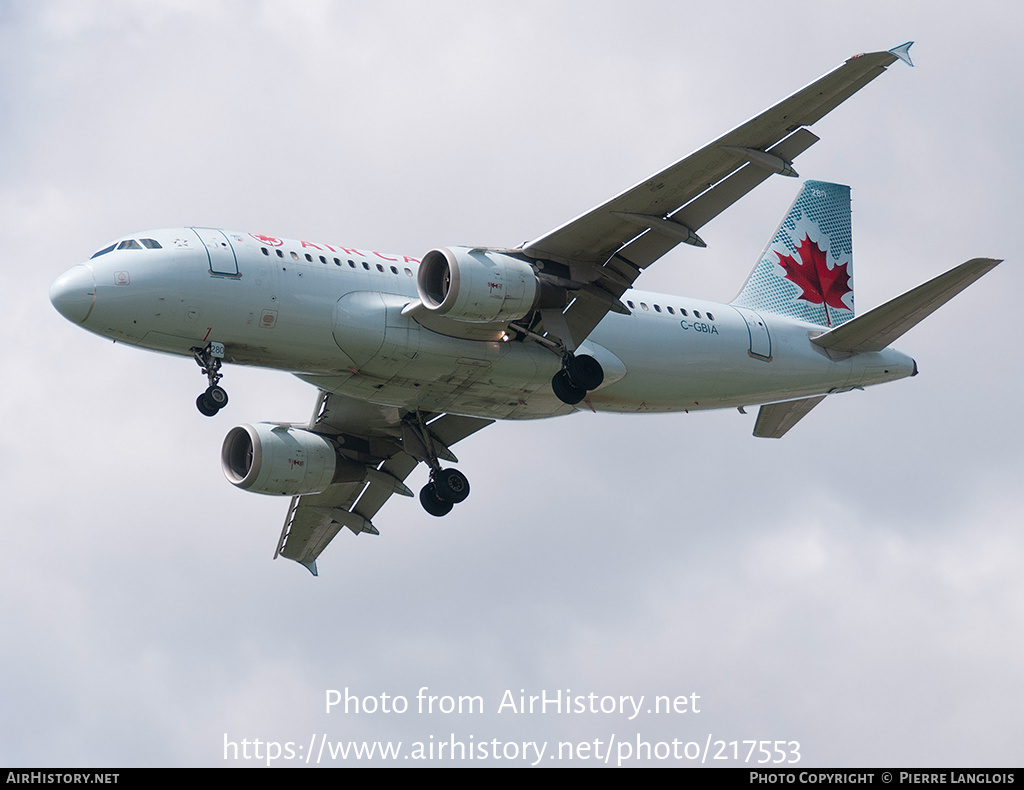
(333, 316)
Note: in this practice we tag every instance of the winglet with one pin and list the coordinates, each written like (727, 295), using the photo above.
(903, 53)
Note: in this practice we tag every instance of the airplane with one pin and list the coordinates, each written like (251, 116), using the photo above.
(410, 355)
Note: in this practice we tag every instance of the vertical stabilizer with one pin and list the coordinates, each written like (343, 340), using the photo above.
(806, 271)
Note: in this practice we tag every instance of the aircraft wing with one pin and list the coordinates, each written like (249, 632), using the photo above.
(372, 436)
(607, 247)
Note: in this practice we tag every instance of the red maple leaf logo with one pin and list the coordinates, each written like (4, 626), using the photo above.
(272, 241)
(818, 283)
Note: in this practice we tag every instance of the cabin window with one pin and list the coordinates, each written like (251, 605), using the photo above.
(295, 255)
(670, 310)
(394, 270)
(366, 266)
(657, 308)
(265, 250)
(696, 313)
(409, 272)
(643, 306)
(631, 305)
(309, 257)
(710, 317)
(280, 254)
(682, 312)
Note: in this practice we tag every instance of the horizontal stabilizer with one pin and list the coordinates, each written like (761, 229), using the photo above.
(878, 328)
(774, 419)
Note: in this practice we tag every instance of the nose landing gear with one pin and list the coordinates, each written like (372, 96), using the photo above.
(212, 401)
(209, 360)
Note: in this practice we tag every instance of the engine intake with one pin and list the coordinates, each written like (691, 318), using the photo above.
(281, 460)
(481, 286)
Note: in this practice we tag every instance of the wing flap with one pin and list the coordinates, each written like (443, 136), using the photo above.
(661, 235)
(314, 520)
(709, 205)
(452, 428)
(398, 467)
(594, 236)
(609, 245)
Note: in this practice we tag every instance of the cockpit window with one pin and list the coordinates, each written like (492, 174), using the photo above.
(129, 244)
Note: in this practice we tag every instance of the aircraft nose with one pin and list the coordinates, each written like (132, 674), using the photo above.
(74, 293)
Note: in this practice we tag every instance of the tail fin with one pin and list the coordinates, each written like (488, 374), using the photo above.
(806, 271)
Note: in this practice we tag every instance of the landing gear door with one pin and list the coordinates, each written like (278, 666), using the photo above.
(219, 250)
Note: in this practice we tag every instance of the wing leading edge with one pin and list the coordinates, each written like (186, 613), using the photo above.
(608, 246)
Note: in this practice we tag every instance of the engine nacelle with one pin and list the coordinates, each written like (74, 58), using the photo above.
(267, 458)
(480, 286)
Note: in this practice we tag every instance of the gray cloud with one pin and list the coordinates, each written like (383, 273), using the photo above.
(852, 586)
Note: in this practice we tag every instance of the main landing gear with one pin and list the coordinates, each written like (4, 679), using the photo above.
(209, 360)
(578, 375)
(447, 487)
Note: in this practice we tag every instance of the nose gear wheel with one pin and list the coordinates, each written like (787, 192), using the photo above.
(215, 397)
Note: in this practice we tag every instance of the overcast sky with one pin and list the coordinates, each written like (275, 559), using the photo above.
(854, 586)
